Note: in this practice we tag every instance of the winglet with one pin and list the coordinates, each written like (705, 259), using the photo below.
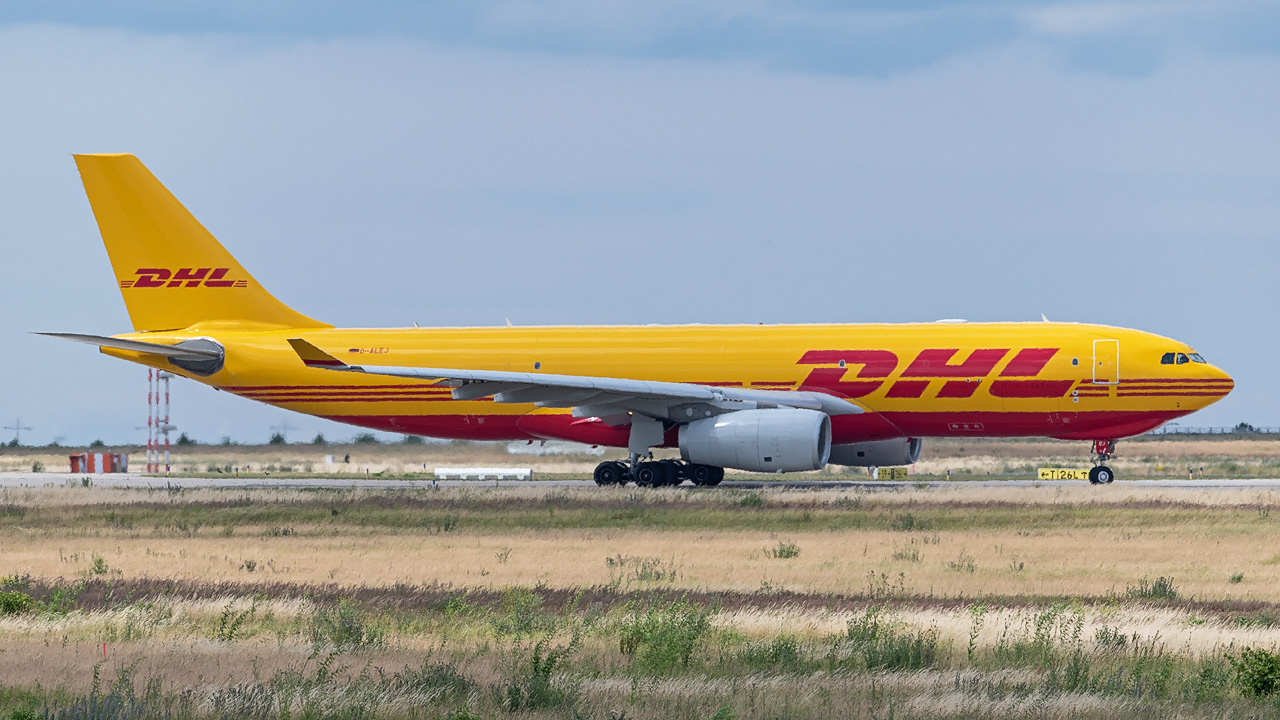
(313, 356)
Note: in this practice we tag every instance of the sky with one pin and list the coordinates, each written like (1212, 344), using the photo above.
(604, 161)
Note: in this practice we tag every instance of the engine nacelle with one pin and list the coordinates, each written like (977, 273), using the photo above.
(778, 440)
(881, 453)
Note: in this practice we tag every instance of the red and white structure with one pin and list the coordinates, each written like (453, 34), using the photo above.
(98, 463)
(157, 423)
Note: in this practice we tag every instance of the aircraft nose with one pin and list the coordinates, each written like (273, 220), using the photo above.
(1217, 382)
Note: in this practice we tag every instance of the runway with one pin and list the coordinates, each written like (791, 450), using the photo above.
(144, 482)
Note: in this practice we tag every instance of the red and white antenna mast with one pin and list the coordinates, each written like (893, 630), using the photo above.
(157, 423)
(151, 431)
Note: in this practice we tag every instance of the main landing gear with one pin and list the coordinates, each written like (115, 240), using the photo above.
(1102, 452)
(657, 473)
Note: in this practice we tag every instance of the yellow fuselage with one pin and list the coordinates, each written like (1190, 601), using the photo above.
(1062, 380)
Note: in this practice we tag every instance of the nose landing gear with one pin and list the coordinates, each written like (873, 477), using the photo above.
(1102, 452)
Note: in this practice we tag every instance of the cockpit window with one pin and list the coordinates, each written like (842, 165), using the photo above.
(1195, 357)
(1183, 359)
(1167, 359)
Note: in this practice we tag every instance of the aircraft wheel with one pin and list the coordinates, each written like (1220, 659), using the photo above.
(717, 474)
(650, 474)
(610, 473)
(675, 471)
(1101, 475)
(701, 474)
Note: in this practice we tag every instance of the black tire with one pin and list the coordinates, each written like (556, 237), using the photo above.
(609, 473)
(1104, 475)
(650, 474)
(717, 474)
(675, 472)
(1093, 476)
(701, 475)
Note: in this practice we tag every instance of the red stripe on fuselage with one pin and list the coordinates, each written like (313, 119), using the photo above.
(865, 427)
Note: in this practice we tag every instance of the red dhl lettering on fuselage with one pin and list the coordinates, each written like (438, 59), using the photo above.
(182, 277)
(869, 370)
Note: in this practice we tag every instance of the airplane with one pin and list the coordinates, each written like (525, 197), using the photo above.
(761, 398)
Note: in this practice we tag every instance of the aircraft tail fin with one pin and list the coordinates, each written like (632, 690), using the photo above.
(171, 271)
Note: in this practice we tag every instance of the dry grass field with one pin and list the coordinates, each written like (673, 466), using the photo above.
(957, 602)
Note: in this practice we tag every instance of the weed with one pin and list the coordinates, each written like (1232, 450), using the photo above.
(1109, 638)
(15, 582)
(963, 563)
(37, 466)
(752, 500)
(534, 686)
(906, 553)
(1016, 565)
(99, 565)
(281, 532)
(503, 555)
(880, 643)
(1257, 672)
(906, 522)
(345, 627)
(784, 550)
(781, 653)
(1236, 578)
(249, 565)
(230, 621)
(13, 602)
(662, 635)
(520, 613)
(881, 587)
(637, 569)
(1160, 589)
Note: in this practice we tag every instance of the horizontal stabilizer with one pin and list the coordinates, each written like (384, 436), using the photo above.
(173, 351)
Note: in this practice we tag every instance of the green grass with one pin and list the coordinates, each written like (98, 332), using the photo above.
(318, 512)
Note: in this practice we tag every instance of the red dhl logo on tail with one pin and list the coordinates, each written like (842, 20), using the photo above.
(182, 277)
(959, 379)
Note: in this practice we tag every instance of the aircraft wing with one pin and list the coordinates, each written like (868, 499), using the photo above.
(602, 397)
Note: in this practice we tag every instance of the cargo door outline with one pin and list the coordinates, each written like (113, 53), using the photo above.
(1106, 362)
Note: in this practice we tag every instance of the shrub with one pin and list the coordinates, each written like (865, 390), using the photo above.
(1257, 672)
(753, 500)
(230, 621)
(1160, 589)
(881, 643)
(963, 563)
(663, 635)
(15, 603)
(784, 550)
(366, 439)
(906, 522)
(534, 686)
(782, 652)
(908, 553)
(436, 681)
(345, 627)
(1236, 578)
(99, 566)
(37, 467)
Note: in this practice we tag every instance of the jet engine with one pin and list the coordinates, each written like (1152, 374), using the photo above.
(899, 451)
(775, 440)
